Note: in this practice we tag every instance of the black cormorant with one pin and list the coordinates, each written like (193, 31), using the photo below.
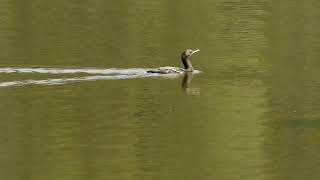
(185, 57)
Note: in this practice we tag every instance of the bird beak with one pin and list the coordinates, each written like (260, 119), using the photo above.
(195, 51)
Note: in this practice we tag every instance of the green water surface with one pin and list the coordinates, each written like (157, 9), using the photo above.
(252, 114)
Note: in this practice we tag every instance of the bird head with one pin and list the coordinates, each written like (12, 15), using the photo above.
(188, 53)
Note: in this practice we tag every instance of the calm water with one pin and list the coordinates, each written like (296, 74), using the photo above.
(252, 114)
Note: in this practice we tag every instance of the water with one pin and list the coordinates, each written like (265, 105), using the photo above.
(252, 114)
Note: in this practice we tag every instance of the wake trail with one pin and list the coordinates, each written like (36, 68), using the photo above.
(111, 71)
(94, 75)
(48, 82)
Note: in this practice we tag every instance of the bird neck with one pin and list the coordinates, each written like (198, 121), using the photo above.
(187, 64)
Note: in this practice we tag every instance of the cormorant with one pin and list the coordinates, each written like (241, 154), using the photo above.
(185, 57)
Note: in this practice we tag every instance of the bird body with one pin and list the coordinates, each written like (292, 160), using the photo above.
(166, 70)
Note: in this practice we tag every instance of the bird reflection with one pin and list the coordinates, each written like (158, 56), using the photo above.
(190, 91)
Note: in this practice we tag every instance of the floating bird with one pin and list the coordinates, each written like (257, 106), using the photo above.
(185, 57)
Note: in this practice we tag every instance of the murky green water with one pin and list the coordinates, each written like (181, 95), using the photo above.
(252, 114)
